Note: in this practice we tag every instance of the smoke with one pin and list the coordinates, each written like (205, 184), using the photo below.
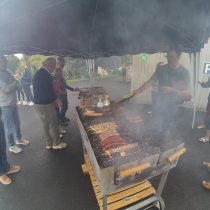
(95, 28)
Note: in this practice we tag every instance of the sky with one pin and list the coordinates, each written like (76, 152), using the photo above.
(19, 55)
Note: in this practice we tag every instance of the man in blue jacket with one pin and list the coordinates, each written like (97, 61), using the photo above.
(44, 97)
(26, 80)
(8, 101)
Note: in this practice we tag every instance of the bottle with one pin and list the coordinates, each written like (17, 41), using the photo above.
(100, 104)
(106, 101)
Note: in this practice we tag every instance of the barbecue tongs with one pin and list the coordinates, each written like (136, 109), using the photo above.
(126, 98)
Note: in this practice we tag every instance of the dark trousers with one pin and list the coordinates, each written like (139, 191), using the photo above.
(20, 92)
(64, 107)
(4, 165)
(28, 93)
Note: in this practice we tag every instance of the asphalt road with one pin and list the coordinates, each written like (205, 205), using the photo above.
(53, 180)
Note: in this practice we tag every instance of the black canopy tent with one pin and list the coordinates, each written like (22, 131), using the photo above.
(98, 28)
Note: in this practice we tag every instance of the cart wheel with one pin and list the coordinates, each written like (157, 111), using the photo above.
(160, 204)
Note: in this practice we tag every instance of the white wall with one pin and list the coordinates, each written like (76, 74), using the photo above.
(142, 71)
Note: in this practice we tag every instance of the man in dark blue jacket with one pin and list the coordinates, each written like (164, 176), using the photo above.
(26, 80)
(44, 96)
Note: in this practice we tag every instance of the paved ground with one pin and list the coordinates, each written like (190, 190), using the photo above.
(53, 180)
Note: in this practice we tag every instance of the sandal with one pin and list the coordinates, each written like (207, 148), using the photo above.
(207, 164)
(201, 126)
(14, 169)
(203, 140)
(5, 180)
(206, 184)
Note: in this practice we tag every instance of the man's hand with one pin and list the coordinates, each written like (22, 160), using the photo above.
(58, 101)
(168, 89)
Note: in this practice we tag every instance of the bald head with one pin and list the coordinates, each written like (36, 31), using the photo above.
(3, 63)
(49, 64)
(60, 62)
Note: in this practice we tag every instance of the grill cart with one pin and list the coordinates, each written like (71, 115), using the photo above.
(122, 157)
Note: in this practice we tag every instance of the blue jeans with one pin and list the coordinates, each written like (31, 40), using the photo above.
(11, 122)
(28, 93)
(4, 165)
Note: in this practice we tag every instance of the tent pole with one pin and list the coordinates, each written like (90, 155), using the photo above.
(194, 87)
(196, 67)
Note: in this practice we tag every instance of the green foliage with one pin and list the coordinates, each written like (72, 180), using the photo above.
(13, 63)
(114, 62)
(75, 68)
(34, 61)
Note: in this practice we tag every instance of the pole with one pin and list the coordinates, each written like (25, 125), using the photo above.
(194, 88)
(196, 67)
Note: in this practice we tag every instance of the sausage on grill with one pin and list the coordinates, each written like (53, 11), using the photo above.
(108, 134)
(112, 141)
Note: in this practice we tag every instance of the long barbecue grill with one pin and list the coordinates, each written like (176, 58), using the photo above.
(120, 152)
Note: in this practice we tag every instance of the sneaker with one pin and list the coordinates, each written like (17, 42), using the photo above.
(19, 102)
(15, 149)
(48, 147)
(31, 103)
(22, 142)
(61, 136)
(5, 180)
(25, 103)
(14, 169)
(62, 131)
(60, 146)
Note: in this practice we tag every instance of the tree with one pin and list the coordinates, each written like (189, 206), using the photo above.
(75, 68)
(114, 62)
(34, 61)
(13, 63)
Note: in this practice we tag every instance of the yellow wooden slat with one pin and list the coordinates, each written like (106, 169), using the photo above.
(125, 188)
(128, 192)
(131, 199)
(87, 159)
(97, 193)
(97, 189)
(94, 183)
(84, 169)
(93, 177)
(91, 173)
